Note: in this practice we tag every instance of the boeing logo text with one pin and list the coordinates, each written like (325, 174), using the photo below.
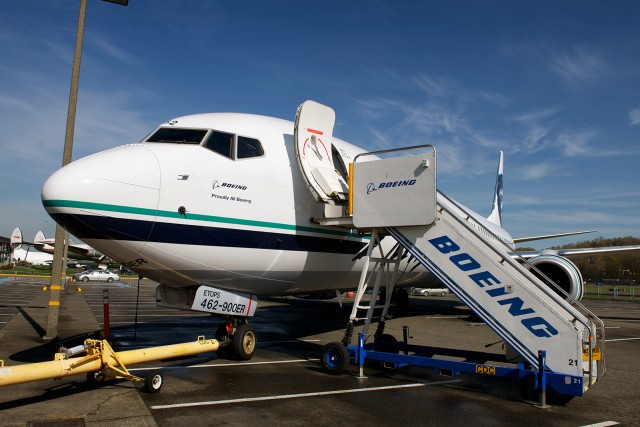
(536, 324)
(371, 187)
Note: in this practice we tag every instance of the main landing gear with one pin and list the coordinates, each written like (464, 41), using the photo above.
(237, 340)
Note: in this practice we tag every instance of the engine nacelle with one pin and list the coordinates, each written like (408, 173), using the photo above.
(563, 272)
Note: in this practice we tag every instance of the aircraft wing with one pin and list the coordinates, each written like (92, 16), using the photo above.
(83, 252)
(77, 250)
(518, 240)
(584, 252)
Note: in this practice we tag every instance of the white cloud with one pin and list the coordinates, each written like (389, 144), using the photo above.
(634, 116)
(535, 171)
(579, 65)
(536, 116)
(577, 144)
(110, 49)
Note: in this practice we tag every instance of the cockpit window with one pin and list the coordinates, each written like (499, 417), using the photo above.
(248, 147)
(228, 145)
(178, 135)
(232, 146)
(221, 143)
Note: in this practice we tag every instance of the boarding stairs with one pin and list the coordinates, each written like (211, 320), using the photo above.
(480, 269)
(393, 193)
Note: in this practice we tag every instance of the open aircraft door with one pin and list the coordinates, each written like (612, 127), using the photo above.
(312, 138)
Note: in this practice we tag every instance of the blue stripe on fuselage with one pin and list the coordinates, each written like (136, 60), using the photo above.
(103, 227)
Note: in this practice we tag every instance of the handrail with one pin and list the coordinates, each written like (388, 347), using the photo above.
(393, 150)
(596, 322)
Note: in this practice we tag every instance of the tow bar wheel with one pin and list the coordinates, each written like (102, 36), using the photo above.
(335, 358)
(153, 382)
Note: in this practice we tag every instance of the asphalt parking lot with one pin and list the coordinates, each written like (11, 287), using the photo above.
(284, 384)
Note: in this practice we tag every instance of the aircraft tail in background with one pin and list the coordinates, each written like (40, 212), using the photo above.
(16, 239)
(40, 237)
(496, 211)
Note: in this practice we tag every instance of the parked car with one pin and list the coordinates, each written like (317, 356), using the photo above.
(425, 292)
(97, 276)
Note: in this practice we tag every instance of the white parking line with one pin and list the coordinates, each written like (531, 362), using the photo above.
(224, 365)
(299, 395)
(445, 317)
(622, 339)
(603, 424)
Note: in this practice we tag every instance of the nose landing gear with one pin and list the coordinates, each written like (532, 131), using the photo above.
(237, 340)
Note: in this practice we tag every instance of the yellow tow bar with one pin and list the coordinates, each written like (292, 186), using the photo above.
(97, 357)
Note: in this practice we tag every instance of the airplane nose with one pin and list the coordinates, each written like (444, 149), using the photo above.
(110, 195)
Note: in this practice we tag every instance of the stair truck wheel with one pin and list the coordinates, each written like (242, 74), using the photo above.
(385, 343)
(402, 300)
(528, 388)
(153, 381)
(244, 341)
(335, 358)
(556, 398)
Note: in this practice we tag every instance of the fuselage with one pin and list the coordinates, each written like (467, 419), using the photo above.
(226, 207)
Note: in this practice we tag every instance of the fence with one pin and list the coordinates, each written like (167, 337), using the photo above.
(612, 292)
(43, 279)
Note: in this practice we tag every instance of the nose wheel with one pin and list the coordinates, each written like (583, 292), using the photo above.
(244, 341)
(237, 341)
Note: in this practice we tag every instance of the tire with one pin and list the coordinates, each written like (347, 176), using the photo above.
(402, 300)
(85, 279)
(555, 398)
(109, 279)
(385, 343)
(334, 358)
(94, 378)
(528, 390)
(244, 341)
(153, 382)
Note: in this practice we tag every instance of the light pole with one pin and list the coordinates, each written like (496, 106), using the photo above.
(60, 250)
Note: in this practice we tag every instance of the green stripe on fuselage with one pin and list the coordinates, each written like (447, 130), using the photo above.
(197, 217)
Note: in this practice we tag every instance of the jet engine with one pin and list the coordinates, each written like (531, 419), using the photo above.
(563, 272)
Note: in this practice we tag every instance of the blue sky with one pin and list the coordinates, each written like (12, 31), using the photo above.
(555, 84)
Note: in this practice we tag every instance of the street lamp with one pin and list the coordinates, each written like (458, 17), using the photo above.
(60, 251)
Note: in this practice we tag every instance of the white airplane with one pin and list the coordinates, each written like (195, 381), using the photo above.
(18, 254)
(76, 251)
(31, 257)
(220, 208)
